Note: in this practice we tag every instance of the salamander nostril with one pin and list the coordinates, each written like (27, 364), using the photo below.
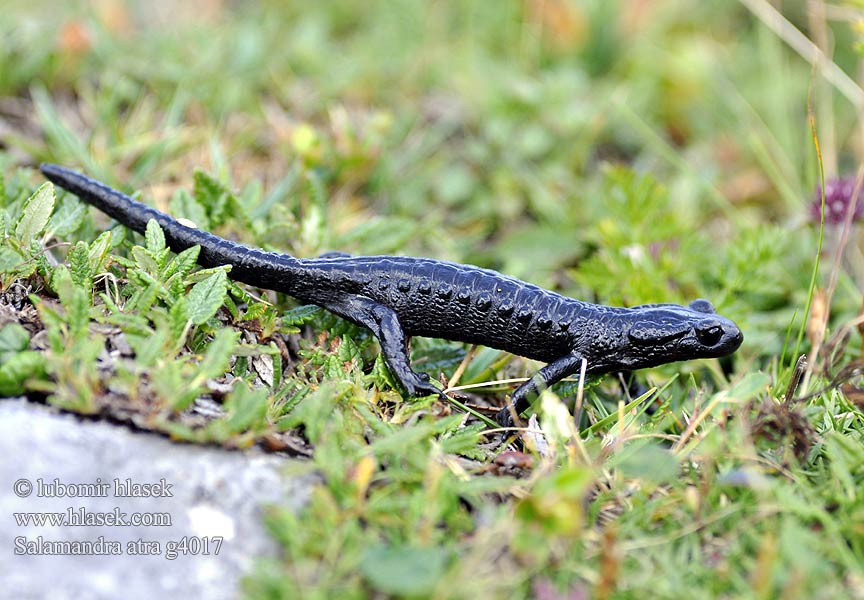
(709, 336)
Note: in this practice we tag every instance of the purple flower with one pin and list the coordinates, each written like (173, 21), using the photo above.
(838, 201)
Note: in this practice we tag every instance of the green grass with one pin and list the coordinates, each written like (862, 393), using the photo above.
(613, 155)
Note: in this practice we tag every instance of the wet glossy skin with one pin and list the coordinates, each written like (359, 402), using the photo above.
(399, 297)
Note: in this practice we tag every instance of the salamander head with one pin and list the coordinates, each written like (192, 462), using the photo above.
(663, 333)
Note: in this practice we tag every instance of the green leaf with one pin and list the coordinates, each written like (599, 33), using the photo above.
(202, 274)
(403, 570)
(846, 457)
(213, 196)
(219, 353)
(178, 317)
(206, 297)
(40, 261)
(9, 260)
(154, 238)
(18, 369)
(131, 324)
(300, 315)
(74, 300)
(750, 386)
(36, 213)
(644, 460)
(555, 502)
(254, 311)
(316, 410)
(184, 205)
(464, 441)
(99, 252)
(13, 338)
(183, 262)
(348, 350)
(67, 218)
(175, 286)
(149, 349)
(145, 296)
(79, 264)
(246, 407)
(239, 293)
(173, 385)
(145, 261)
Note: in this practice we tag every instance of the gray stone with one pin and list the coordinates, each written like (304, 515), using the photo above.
(214, 494)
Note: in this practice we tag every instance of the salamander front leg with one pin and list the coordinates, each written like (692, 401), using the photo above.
(394, 346)
(551, 373)
(385, 325)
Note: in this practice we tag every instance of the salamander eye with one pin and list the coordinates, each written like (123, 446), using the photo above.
(709, 335)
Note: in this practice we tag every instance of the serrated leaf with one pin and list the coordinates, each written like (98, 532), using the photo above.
(246, 407)
(60, 277)
(403, 570)
(231, 306)
(18, 369)
(178, 316)
(218, 354)
(254, 311)
(464, 441)
(348, 350)
(10, 260)
(300, 315)
(201, 275)
(213, 196)
(176, 286)
(36, 213)
(206, 188)
(79, 264)
(144, 298)
(98, 252)
(154, 238)
(75, 301)
(149, 348)
(173, 386)
(184, 205)
(79, 313)
(206, 297)
(67, 218)
(124, 262)
(129, 323)
(239, 293)
(13, 338)
(144, 260)
(183, 262)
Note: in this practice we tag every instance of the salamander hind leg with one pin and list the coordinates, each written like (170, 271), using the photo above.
(385, 325)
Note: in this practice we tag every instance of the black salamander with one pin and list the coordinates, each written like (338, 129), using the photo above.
(398, 297)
